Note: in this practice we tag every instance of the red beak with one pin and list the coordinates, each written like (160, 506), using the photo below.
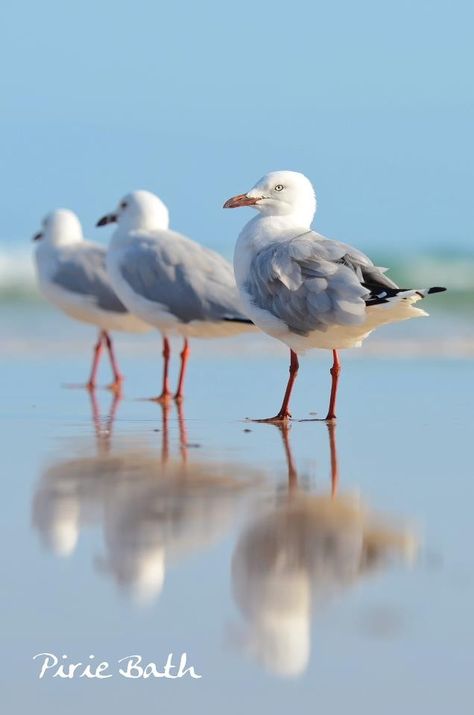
(241, 200)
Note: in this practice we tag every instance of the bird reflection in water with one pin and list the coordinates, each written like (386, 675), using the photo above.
(297, 556)
(154, 508)
(67, 488)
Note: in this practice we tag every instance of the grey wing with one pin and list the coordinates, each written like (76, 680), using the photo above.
(311, 282)
(192, 282)
(84, 273)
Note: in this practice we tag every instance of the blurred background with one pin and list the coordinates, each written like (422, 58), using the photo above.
(195, 101)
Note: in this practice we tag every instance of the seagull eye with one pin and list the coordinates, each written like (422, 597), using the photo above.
(279, 187)
(123, 205)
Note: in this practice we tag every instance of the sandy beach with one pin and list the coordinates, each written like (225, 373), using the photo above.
(133, 529)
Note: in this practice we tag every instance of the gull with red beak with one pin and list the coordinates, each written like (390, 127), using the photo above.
(72, 275)
(304, 289)
(169, 281)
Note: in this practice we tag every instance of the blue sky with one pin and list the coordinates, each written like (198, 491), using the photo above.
(195, 101)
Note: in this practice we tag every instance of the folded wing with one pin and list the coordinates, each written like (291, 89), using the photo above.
(83, 273)
(312, 282)
(192, 282)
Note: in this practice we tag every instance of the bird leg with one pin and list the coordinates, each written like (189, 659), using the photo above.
(116, 385)
(184, 361)
(284, 413)
(335, 372)
(165, 392)
(95, 362)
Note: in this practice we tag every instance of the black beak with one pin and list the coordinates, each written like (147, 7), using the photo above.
(37, 236)
(109, 218)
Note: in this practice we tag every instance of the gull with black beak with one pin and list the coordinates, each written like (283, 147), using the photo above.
(304, 289)
(169, 281)
(72, 275)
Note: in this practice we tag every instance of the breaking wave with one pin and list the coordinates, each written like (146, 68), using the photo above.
(445, 268)
(17, 276)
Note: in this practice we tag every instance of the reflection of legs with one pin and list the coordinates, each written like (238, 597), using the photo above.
(113, 411)
(184, 361)
(165, 446)
(334, 464)
(284, 413)
(95, 361)
(183, 434)
(335, 372)
(103, 428)
(95, 413)
(116, 385)
(292, 473)
(165, 391)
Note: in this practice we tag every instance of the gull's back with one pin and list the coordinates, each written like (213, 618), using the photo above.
(173, 280)
(74, 278)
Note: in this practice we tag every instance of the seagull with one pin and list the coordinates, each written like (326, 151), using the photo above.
(72, 275)
(304, 289)
(169, 281)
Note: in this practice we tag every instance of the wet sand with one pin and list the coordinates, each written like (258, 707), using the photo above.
(307, 568)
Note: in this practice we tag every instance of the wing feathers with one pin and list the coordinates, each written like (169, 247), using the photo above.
(191, 282)
(83, 272)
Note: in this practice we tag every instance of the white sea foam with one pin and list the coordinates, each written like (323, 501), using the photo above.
(17, 274)
(455, 271)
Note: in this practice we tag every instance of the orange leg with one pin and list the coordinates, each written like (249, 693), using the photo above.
(284, 413)
(165, 392)
(95, 362)
(116, 385)
(335, 372)
(184, 361)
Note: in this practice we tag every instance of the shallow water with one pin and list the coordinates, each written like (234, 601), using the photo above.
(308, 568)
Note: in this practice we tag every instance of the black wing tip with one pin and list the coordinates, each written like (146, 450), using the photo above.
(436, 289)
(386, 294)
(244, 321)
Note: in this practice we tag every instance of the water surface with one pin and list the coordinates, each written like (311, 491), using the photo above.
(308, 568)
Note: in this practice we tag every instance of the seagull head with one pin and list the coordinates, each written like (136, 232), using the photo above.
(60, 227)
(280, 193)
(138, 210)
